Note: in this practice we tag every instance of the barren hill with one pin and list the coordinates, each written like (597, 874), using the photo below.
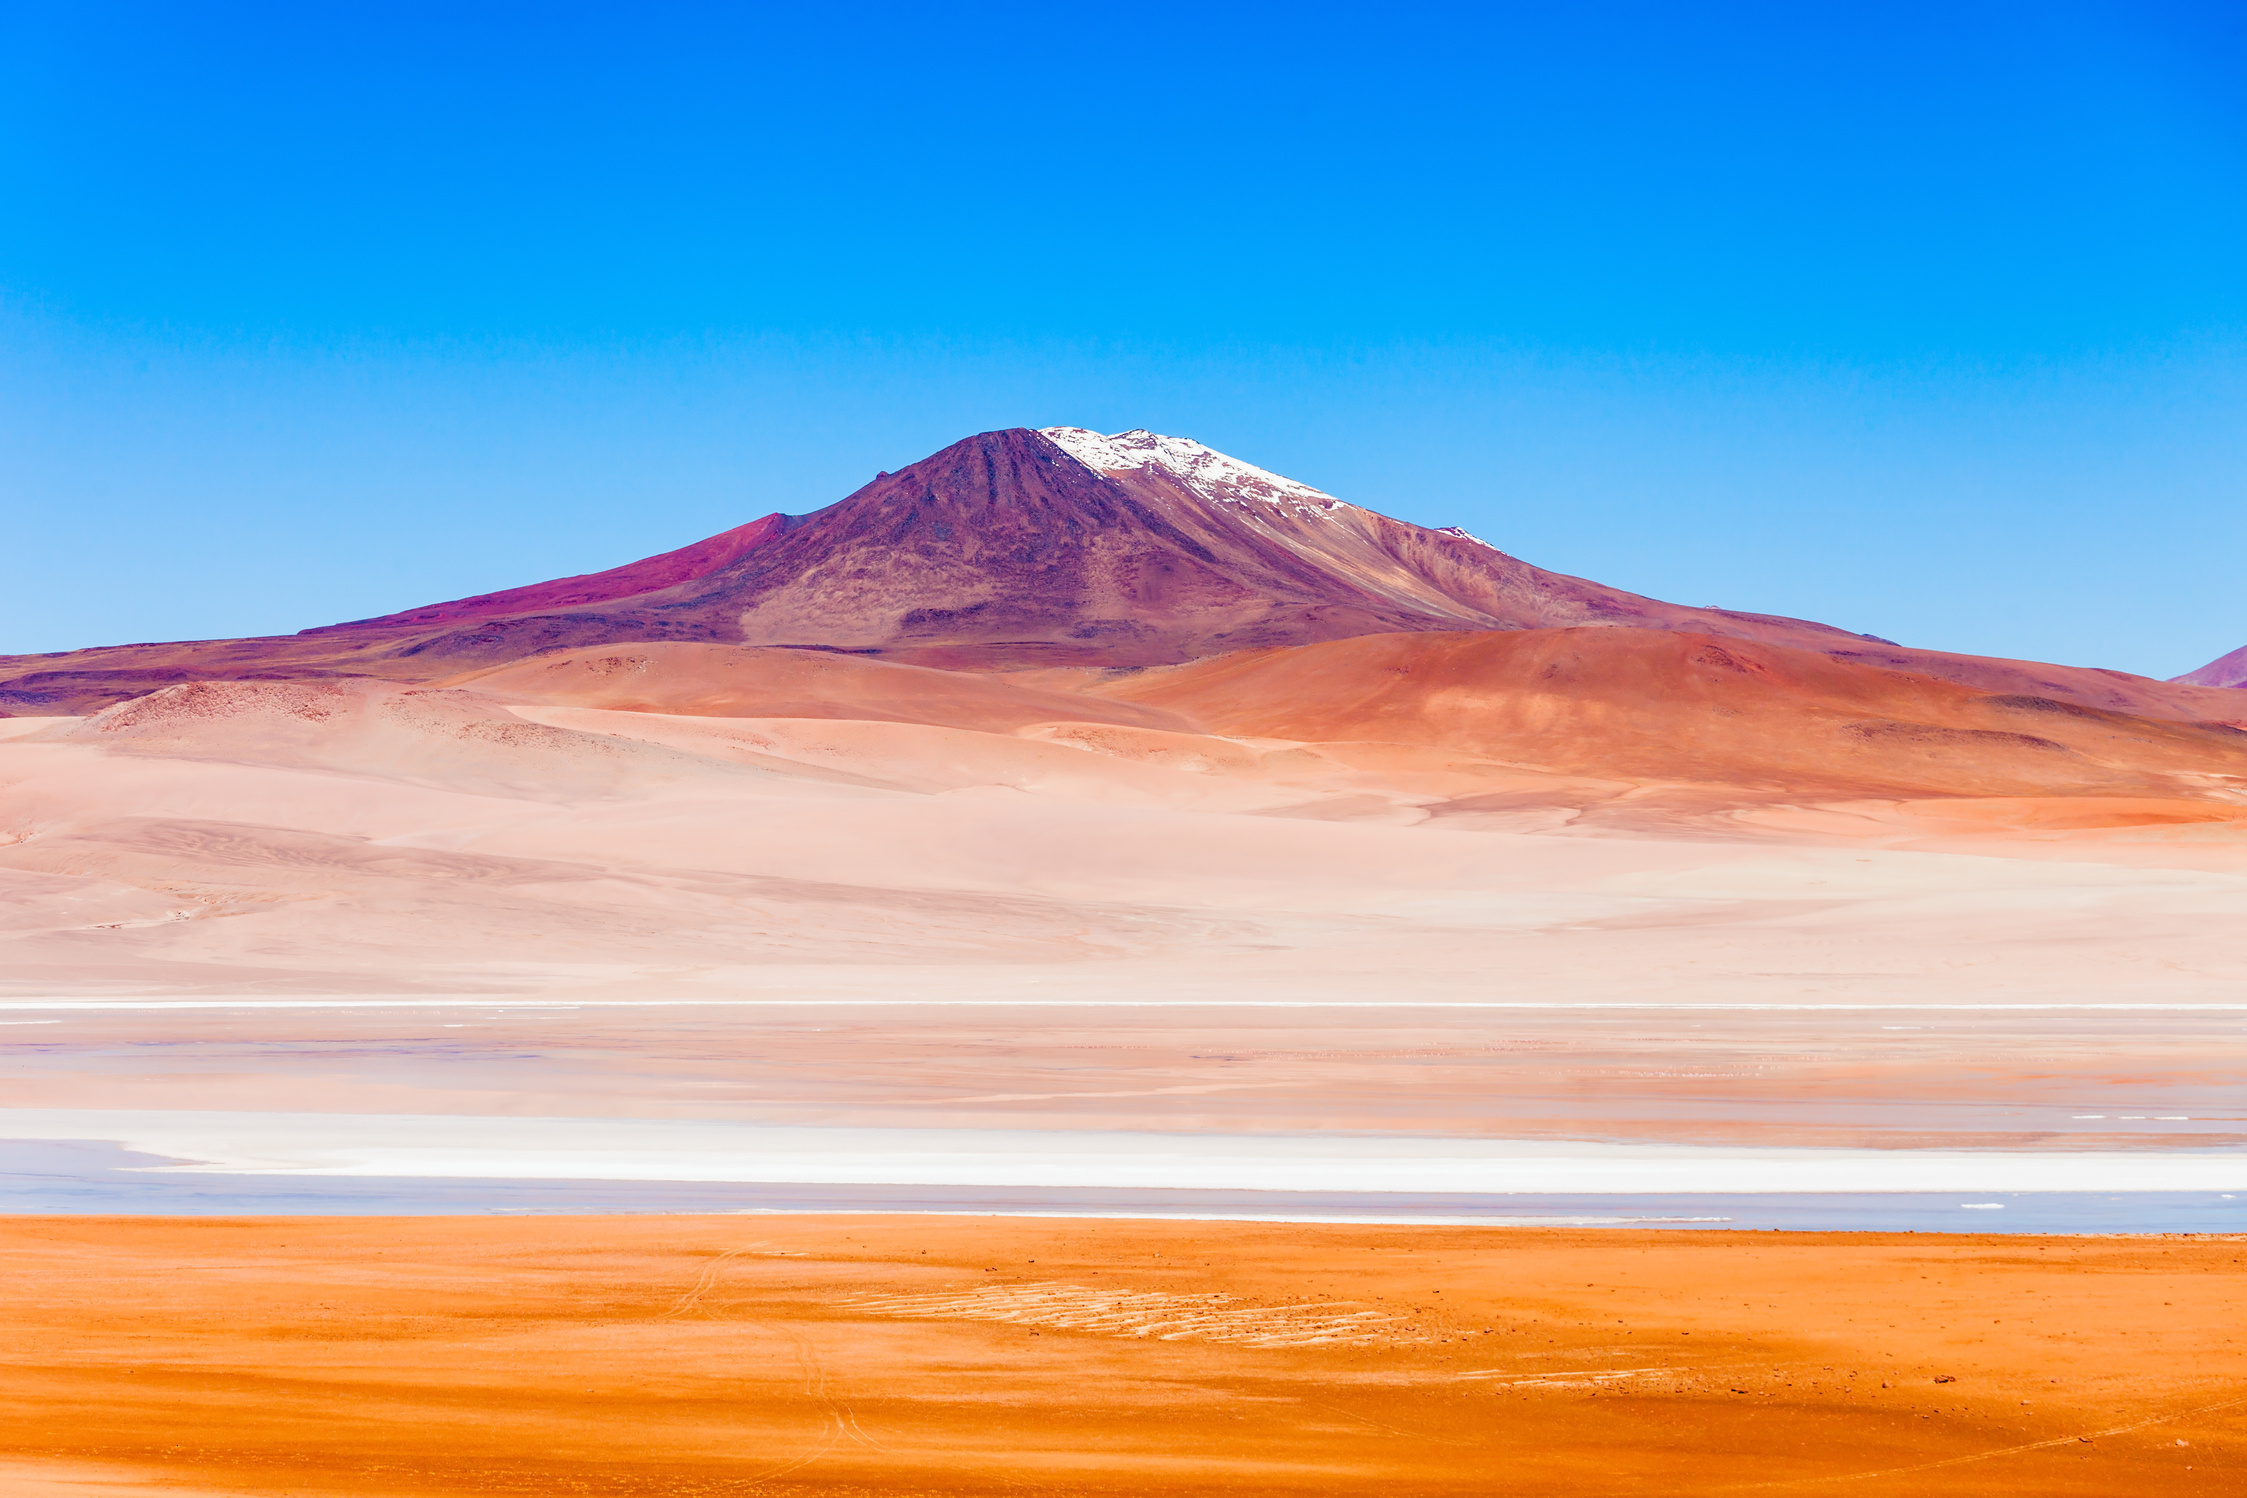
(1023, 549)
(2224, 671)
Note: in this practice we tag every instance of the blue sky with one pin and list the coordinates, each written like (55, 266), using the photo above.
(1926, 321)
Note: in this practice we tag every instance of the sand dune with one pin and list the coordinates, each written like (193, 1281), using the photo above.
(727, 681)
(460, 740)
(921, 758)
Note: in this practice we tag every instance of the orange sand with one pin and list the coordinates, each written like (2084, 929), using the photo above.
(829, 1355)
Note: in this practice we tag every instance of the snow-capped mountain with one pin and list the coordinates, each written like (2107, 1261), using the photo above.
(1204, 470)
(1072, 547)
(1018, 549)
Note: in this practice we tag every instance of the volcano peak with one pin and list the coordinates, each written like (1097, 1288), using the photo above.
(1203, 470)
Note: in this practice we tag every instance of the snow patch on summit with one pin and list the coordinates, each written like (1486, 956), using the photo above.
(1206, 471)
(1460, 533)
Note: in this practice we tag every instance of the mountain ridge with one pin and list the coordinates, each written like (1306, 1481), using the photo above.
(1007, 550)
(2224, 671)
(1025, 549)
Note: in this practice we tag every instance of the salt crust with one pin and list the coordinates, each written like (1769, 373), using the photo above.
(521, 1148)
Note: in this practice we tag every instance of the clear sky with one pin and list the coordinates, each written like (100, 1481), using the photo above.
(1929, 321)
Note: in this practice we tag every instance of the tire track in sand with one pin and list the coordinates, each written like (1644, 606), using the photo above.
(841, 1420)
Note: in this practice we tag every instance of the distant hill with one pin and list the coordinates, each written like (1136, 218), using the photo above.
(2224, 671)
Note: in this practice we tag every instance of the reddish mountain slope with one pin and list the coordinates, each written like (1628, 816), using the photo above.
(2225, 671)
(645, 576)
(1670, 706)
(1008, 550)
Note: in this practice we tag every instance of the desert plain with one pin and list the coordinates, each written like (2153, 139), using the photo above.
(448, 945)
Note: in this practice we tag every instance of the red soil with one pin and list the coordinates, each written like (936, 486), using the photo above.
(1668, 706)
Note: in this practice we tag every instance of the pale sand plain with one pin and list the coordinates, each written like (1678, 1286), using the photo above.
(930, 1355)
(957, 929)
